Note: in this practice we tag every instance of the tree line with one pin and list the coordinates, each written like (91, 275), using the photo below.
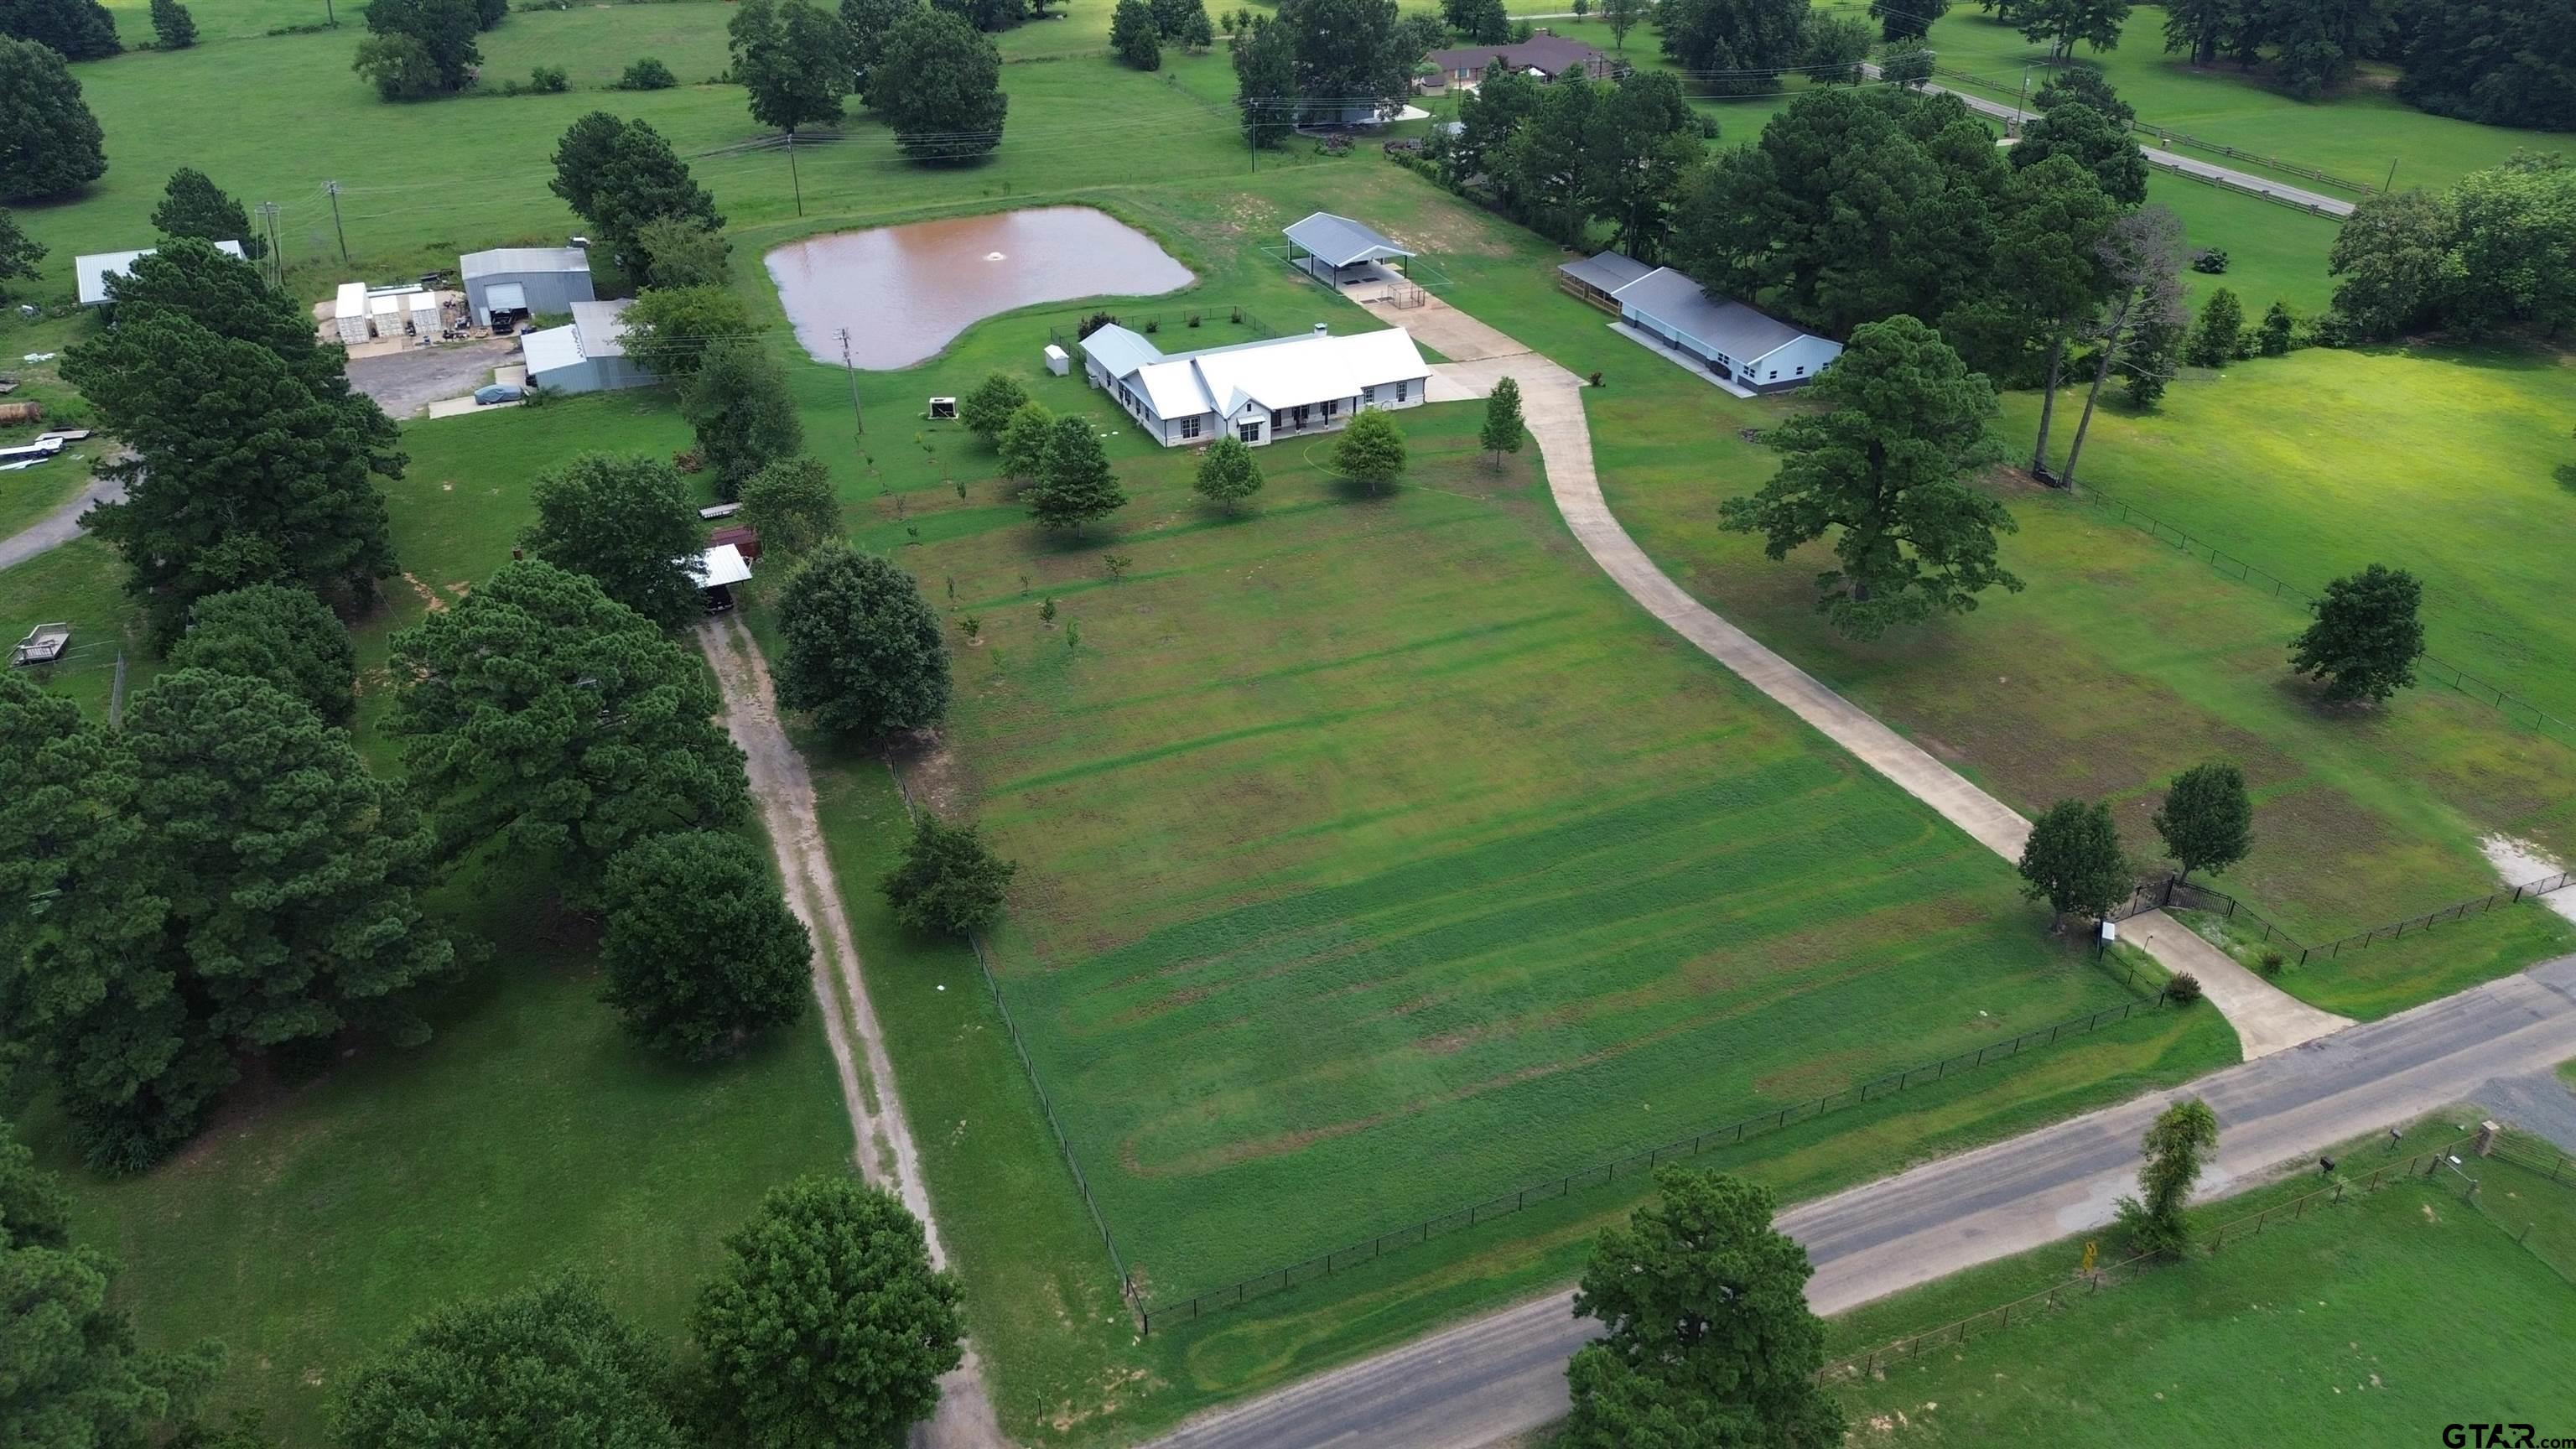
(823, 1322)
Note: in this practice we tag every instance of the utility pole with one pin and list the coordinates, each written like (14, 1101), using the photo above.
(798, 186)
(333, 187)
(276, 250)
(2392, 175)
(328, 18)
(857, 422)
(2020, 100)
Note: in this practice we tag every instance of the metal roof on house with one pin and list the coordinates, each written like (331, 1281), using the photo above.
(601, 327)
(1606, 271)
(505, 261)
(92, 271)
(1549, 55)
(1119, 351)
(1280, 372)
(1680, 303)
(1338, 241)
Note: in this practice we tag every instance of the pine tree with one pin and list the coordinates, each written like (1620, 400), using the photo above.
(173, 28)
(1134, 35)
(1502, 431)
(1075, 485)
(283, 635)
(193, 206)
(2216, 337)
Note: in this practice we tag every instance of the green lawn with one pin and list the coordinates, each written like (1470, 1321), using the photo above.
(2344, 1325)
(2354, 135)
(2125, 661)
(312, 1221)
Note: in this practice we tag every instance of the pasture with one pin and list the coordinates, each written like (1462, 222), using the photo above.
(2345, 1322)
(2125, 660)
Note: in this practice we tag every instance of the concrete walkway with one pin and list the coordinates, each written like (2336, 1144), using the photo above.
(60, 526)
(2266, 1018)
(886, 1155)
(1504, 1373)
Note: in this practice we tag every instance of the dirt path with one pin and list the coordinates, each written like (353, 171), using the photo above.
(886, 1155)
(2267, 1019)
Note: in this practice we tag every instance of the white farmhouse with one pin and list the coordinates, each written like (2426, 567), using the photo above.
(1256, 391)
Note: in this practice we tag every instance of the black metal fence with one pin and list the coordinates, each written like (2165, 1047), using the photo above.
(1195, 326)
(2176, 892)
(1063, 1143)
(1325, 1265)
(2212, 1243)
(2440, 671)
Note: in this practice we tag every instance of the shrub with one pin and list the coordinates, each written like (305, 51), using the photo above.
(549, 80)
(2212, 260)
(2272, 961)
(2183, 990)
(647, 74)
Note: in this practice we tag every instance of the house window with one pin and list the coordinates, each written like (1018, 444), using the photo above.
(1189, 427)
(1802, 372)
(1775, 375)
(1332, 406)
(1367, 395)
(1400, 389)
(1249, 432)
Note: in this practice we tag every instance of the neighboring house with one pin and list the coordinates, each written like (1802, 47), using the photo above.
(1545, 57)
(588, 356)
(1597, 279)
(1256, 391)
(91, 272)
(516, 283)
(1728, 338)
(1337, 247)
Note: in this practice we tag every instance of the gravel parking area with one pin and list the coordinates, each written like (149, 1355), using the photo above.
(406, 382)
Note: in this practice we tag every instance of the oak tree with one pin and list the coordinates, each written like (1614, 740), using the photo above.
(739, 406)
(2207, 819)
(950, 882)
(793, 506)
(2367, 635)
(2073, 861)
(864, 650)
(827, 1323)
(1370, 452)
(627, 522)
(1228, 474)
(701, 953)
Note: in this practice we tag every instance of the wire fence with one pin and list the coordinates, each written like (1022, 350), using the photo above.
(2211, 1243)
(1063, 1142)
(2440, 671)
(1602, 1174)
(2167, 139)
(2243, 185)
(2259, 931)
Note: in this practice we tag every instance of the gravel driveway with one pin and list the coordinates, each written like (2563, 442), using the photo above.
(406, 382)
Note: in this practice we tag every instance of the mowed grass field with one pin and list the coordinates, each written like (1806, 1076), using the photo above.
(2375, 1321)
(2125, 660)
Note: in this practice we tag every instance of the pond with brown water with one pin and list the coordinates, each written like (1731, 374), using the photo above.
(905, 292)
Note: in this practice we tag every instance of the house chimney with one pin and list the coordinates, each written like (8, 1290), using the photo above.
(1319, 329)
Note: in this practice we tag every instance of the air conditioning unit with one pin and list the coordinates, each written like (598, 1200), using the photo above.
(943, 410)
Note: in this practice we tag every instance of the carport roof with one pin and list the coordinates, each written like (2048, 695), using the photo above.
(1338, 241)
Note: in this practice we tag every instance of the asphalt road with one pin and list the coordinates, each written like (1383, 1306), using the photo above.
(1505, 1373)
(2192, 166)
